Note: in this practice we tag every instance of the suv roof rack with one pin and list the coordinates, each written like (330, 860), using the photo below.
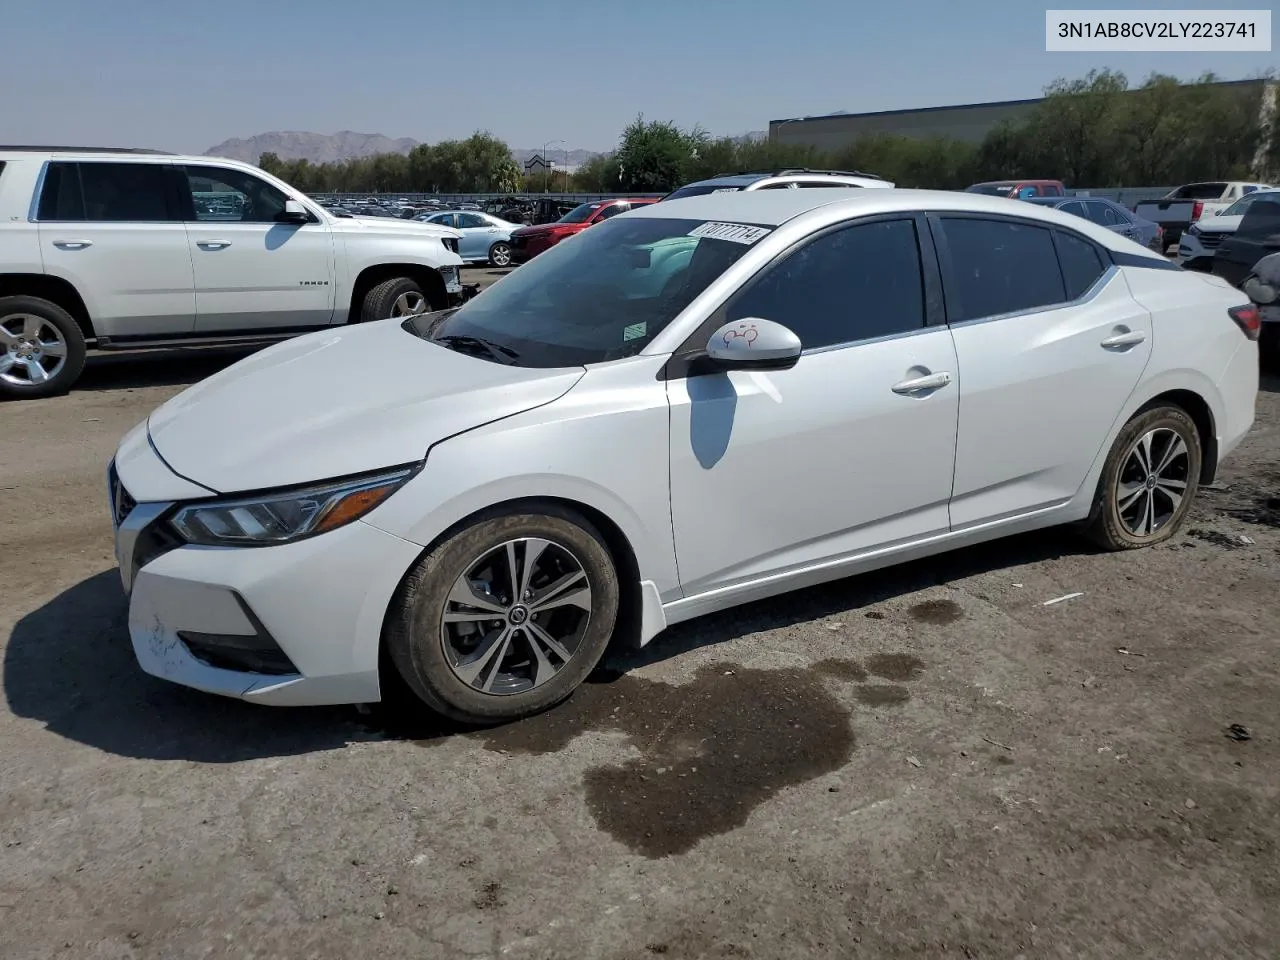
(26, 148)
(792, 171)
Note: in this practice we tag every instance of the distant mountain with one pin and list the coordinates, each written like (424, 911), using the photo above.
(347, 145)
(316, 147)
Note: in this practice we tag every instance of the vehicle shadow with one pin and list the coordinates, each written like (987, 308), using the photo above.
(69, 665)
(157, 368)
(1269, 381)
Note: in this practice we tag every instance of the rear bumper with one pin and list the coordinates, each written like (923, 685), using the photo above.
(1238, 388)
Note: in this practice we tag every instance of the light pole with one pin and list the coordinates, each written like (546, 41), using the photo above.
(546, 164)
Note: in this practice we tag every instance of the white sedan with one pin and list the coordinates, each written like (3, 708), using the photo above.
(700, 403)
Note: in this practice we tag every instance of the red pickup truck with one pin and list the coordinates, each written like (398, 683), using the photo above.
(528, 242)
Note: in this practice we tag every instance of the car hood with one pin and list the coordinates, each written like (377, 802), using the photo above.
(338, 402)
(394, 225)
(1219, 224)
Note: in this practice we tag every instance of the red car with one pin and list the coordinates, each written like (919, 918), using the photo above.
(528, 242)
(1020, 189)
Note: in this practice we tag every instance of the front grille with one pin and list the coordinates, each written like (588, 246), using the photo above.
(1211, 240)
(122, 502)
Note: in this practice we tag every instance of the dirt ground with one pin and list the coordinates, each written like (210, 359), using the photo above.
(927, 762)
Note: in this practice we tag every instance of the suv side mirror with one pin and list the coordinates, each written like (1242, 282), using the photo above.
(295, 212)
(754, 343)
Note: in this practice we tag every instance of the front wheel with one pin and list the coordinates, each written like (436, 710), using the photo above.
(397, 297)
(42, 348)
(1148, 481)
(507, 617)
(500, 254)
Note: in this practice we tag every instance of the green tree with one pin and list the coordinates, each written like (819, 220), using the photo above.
(653, 156)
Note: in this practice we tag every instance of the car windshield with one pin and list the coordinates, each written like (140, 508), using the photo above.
(599, 296)
(1238, 208)
(581, 213)
(698, 189)
(991, 189)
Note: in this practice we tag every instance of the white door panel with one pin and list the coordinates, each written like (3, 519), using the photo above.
(777, 470)
(1039, 393)
(137, 277)
(261, 275)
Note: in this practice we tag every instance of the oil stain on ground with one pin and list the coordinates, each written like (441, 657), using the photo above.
(936, 611)
(711, 750)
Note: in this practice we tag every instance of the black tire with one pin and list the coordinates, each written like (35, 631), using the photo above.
(59, 376)
(415, 638)
(380, 302)
(500, 254)
(1113, 514)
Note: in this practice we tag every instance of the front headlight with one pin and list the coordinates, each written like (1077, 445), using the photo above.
(1193, 231)
(289, 515)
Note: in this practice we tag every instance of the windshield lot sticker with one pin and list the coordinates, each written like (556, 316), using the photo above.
(733, 232)
(633, 331)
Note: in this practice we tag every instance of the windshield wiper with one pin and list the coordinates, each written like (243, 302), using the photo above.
(465, 344)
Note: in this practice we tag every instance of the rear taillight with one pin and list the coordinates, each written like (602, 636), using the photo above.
(1197, 208)
(1249, 319)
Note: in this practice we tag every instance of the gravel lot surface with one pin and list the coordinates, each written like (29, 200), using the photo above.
(927, 762)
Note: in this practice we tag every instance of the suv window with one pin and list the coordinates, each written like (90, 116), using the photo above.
(471, 220)
(1081, 265)
(105, 193)
(220, 193)
(997, 267)
(856, 283)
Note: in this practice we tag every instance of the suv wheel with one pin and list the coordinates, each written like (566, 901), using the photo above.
(41, 348)
(397, 297)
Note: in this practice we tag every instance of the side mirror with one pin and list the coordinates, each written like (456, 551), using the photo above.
(754, 343)
(1259, 291)
(295, 212)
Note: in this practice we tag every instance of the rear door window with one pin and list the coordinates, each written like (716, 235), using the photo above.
(998, 267)
(1081, 263)
(1073, 207)
(101, 192)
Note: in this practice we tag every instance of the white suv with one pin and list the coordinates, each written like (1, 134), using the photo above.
(126, 248)
(789, 179)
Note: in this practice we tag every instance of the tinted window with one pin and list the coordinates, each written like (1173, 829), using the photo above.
(1248, 188)
(612, 211)
(105, 193)
(1073, 207)
(860, 282)
(991, 189)
(444, 219)
(698, 189)
(581, 213)
(220, 193)
(785, 185)
(1093, 211)
(1262, 219)
(1110, 216)
(825, 184)
(1050, 190)
(471, 220)
(998, 266)
(1200, 191)
(1081, 264)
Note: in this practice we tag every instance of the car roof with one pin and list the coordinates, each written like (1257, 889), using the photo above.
(772, 208)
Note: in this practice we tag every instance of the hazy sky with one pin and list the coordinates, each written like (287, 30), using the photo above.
(183, 76)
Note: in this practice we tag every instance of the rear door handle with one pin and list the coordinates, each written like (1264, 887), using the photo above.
(213, 244)
(1130, 339)
(72, 244)
(933, 381)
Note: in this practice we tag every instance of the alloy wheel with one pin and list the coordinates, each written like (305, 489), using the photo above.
(409, 304)
(34, 350)
(500, 255)
(516, 616)
(1152, 481)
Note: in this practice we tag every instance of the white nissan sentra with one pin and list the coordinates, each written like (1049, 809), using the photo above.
(696, 404)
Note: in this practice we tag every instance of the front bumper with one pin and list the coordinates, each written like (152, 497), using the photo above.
(311, 611)
(452, 279)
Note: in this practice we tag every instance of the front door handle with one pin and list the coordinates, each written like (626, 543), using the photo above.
(1129, 339)
(213, 244)
(933, 381)
(72, 244)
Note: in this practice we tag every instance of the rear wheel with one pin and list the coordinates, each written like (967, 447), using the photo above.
(1148, 482)
(42, 348)
(500, 254)
(397, 297)
(507, 617)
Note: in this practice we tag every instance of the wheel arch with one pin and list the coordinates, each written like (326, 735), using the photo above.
(54, 289)
(1201, 414)
(426, 277)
